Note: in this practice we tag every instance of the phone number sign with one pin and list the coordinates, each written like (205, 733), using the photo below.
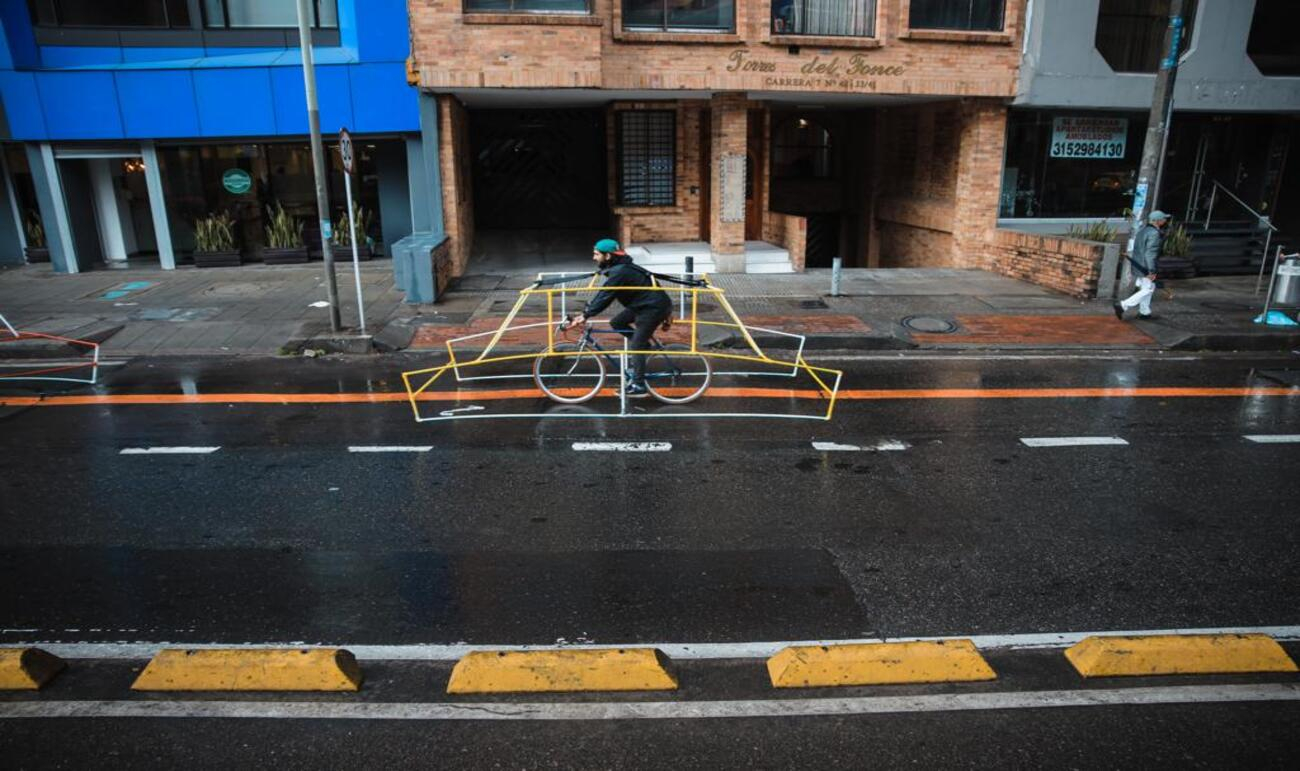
(1089, 137)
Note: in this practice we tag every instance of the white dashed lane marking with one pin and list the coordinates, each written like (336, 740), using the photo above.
(622, 446)
(1072, 441)
(390, 448)
(168, 450)
(888, 445)
(1274, 438)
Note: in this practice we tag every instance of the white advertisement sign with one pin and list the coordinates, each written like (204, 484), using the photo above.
(1089, 137)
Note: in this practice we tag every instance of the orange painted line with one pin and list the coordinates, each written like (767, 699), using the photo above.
(761, 393)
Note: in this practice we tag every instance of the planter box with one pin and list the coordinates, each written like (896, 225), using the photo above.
(294, 256)
(37, 254)
(231, 259)
(344, 253)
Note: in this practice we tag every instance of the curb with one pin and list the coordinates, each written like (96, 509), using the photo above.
(562, 671)
(1209, 654)
(270, 669)
(943, 661)
(28, 669)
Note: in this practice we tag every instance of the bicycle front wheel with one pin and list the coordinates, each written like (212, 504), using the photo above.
(569, 374)
(677, 376)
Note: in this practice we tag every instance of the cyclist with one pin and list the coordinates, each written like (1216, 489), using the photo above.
(643, 311)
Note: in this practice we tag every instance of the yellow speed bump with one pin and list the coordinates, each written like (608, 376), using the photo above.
(1173, 654)
(552, 671)
(27, 669)
(815, 666)
(252, 669)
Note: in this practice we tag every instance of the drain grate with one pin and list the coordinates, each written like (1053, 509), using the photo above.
(931, 325)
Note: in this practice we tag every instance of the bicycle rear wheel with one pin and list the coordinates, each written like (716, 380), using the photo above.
(569, 374)
(677, 376)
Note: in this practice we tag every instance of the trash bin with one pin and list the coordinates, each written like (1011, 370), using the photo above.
(1286, 290)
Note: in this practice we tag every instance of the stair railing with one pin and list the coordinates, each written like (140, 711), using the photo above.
(1261, 219)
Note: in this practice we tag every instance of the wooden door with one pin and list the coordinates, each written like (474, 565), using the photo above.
(706, 175)
(755, 167)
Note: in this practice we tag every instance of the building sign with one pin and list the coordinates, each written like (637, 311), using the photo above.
(237, 181)
(1089, 137)
(854, 72)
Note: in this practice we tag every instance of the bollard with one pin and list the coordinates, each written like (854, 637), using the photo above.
(690, 273)
(837, 265)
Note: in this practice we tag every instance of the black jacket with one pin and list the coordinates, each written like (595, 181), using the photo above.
(621, 271)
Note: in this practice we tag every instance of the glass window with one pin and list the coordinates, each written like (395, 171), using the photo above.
(1274, 46)
(111, 13)
(527, 6)
(856, 18)
(680, 15)
(267, 13)
(974, 15)
(1131, 33)
(802, 150)
(647, 156)
(1071, 164)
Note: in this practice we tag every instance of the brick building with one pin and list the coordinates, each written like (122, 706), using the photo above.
(759, 135)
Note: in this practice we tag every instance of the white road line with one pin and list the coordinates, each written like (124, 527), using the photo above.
(168, 450)
(390, 448)
(623, 446)
(887, 445)
(1274, 438)
(1071, 441)
(693, 651)
(657, 710)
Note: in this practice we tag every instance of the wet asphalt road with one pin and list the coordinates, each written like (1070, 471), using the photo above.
(504, 534)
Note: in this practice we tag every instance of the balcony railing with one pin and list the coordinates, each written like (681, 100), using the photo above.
(839, 18)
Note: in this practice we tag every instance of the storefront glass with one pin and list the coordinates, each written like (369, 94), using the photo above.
(245, 179)
(1071, 164)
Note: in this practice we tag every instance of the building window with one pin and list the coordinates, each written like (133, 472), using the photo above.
(115, 14)
(647, 156)
(973, 15)
(1131, 33)
(1274, 46)
(855, 18)
(527, 6)
(802, 149)
(679, 15)
(244, 14)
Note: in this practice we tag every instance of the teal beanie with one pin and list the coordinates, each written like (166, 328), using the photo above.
(608, 246)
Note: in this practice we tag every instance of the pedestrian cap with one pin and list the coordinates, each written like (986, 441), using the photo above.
(608, 246)
(1156, 216)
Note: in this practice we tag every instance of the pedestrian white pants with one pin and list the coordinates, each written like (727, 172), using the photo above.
(1142, 297)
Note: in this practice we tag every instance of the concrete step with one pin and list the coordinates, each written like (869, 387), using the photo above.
(769, 267)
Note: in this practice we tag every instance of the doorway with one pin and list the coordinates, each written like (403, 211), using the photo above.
(107, 201)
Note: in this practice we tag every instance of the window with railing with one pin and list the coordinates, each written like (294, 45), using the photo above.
(647, 153)
(527, 6)
(679, 15)
(112, 14)
(1131, 33)
(252, 14)
(962, 15)
(845, 18)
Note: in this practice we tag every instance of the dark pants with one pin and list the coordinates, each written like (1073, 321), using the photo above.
(640, 324)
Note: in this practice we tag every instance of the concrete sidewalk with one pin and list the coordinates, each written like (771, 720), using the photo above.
(268, 310)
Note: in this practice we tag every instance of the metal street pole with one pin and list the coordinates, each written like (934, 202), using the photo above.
(1157, 122)
(318, 162)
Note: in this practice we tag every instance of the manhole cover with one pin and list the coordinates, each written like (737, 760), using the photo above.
(929, 325)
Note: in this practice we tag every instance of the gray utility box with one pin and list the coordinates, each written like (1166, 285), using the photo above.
(416, 268)
(1286, 292)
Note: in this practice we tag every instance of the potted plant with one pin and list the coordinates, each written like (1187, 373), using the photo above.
(214, 242)
(1176, 259)
(284, 242)
(343, 234)
(37, 250)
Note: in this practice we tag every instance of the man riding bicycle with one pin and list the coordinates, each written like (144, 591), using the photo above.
(643, 311)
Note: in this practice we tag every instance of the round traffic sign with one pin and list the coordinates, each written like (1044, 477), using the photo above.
(346, 150)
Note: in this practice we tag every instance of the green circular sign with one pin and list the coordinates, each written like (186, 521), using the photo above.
(237, 181)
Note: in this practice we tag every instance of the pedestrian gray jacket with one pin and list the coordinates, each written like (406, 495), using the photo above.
(1146, 248)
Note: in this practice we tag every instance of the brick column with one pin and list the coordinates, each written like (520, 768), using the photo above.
(979, 181)
(730, 136)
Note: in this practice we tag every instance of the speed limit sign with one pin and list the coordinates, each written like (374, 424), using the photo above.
(345, 150)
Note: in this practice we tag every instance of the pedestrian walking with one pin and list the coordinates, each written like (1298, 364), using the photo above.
(1148, 244)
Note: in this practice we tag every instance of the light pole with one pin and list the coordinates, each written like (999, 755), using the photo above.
(318, 163)
(1157, 126)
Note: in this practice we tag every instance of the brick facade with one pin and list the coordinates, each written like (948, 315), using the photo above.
(1067, 265)
(457, 180)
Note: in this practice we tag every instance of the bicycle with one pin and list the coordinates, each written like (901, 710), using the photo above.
(572, 373)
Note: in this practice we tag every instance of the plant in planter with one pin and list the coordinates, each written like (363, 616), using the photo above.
(343, 234)
(214, 242)
(1094, 231)
(1176, 259)
(37, 250)
(284, 242)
